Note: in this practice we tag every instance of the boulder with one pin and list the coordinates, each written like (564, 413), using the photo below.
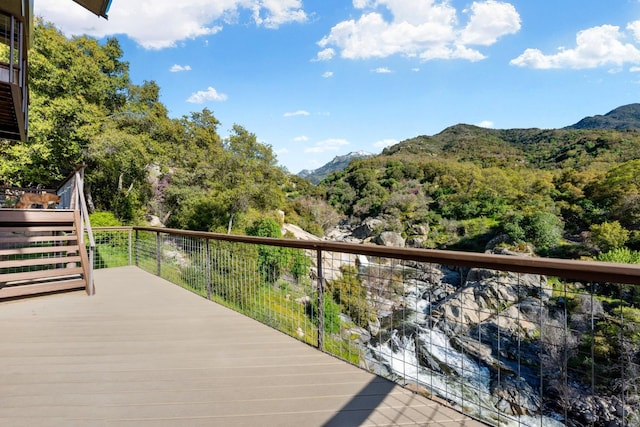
(515, 396)
(368, 228)
(390, 239)
(420, 229)
(154, 221)
(416, 242)
(487, 293)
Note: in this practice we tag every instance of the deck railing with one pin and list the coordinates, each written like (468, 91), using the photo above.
(510, 340)
(71, 193)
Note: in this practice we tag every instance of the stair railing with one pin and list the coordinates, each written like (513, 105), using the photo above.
(71, 193)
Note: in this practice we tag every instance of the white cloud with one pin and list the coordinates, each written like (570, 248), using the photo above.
(301, 138)
(327, 74)
(296, 113)
(178, 68)
(489, 21)
(381, 70)
(327, 145)
(158, 24)
(203, 96)
(325, 54)
(634, 27)
(426, 29)
(486, 124)
(595, 47)
(385, 143)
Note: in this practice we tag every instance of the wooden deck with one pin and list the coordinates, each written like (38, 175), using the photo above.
(144, 352)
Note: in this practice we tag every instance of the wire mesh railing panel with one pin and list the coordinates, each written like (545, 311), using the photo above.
(113, 248)
(183, 262)
(145, 253)
(269, 284)
(506, 347)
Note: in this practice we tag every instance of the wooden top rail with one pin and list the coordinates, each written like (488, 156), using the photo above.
(572, 269)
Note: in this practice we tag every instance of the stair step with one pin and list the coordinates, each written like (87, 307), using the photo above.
(39, 261)
(41, 287)
(39, 250)
(41, 274)
(35, 216)
(36, 229)
(36, 239)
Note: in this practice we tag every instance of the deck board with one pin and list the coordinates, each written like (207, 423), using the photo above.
(143, 352)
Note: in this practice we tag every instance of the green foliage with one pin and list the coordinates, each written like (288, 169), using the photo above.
(274, 261)
(543, 229)
(609, 236)
(299, 264)
(75, 84)
(619, 191)
(331, 313)
(620, 255)
(104, 219)
(265, 227)
(312, 214)
(351, 295)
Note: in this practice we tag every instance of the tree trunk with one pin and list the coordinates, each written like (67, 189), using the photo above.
(89, 199)
(230, 223)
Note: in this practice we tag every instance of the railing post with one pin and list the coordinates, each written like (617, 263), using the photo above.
(137, 248)
(92, 289)
(320, 301)
(158, 253)
(131, 246)
(207, 264)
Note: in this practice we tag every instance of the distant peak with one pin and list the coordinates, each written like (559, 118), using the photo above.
(621, 118)
(336, 165)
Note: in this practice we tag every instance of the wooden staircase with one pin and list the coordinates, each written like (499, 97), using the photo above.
(41, 251)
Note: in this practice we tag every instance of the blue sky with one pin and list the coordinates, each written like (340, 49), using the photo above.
(320, 78)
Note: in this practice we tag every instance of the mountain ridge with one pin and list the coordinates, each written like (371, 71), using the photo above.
(336, 165)
(622, 118)
(507, 147)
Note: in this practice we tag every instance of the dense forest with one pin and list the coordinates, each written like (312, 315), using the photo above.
(570, 192)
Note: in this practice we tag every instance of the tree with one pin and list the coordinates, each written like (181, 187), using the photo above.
(271, 259)
(251, 177)
(609, 236)
(619, 192)
(543, 229)
(75, 84)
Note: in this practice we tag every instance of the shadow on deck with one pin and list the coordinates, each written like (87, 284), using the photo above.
(145, 352)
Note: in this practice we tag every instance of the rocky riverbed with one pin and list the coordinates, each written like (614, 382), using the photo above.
(494, 343)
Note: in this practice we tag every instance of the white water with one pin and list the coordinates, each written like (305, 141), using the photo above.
(468, 388)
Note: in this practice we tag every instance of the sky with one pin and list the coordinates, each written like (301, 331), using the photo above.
(315, 79)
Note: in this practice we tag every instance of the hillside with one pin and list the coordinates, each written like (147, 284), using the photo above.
(468, 185)
(533, 148)
(622, 118)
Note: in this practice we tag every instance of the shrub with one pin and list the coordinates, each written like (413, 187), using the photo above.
(104, 219)
(609, 235)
